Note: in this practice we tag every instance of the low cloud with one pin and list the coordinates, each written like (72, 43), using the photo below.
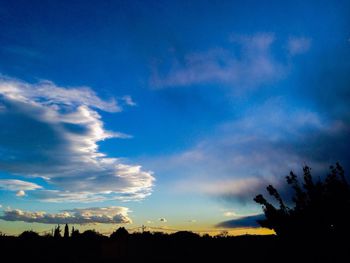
(103, 215)
(245, 221)
(53, 133)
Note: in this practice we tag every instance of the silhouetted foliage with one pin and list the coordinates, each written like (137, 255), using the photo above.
(66, 231)
(321, 208)
(120, 234)
(75, 233)
(57, 232)
(91, 235)
(29, 235)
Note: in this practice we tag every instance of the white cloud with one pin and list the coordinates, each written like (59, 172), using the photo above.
(128, 100)
(47, 93)
(248, 64)
(15, 185)
(20, 193)
(230, 214)
(103, 215)
(53, 133)
(298, 45)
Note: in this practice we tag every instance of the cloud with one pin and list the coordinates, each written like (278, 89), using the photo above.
(245, 221)
(128, 100)
(20, 193)
(163, 220)
(298, 45)
(259, 148)
(248, 64)
(230, 214)
(93, 215)
(53, 132)
(15, 185)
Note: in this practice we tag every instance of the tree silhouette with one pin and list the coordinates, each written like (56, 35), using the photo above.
(120, 234)
(321, 208)
(75, 232)
(66, 231)
(57, 232)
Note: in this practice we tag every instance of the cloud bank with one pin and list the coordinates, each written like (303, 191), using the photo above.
(93, 215)
(53, 132)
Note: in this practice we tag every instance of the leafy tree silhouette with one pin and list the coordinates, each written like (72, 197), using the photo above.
(29, 235)
(321, 209)
(66, 231)
(120, 234)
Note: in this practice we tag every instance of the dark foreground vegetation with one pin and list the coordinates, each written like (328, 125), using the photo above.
(313, 226)
(158, 247)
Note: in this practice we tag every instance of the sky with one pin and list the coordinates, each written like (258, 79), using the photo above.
(168, 114)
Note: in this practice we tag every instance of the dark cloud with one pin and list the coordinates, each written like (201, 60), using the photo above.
(246, 221)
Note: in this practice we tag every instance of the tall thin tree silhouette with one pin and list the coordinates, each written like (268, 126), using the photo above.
(66, 231)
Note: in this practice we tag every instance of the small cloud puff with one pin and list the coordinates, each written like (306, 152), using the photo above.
(128, 100)
(20, 193)
(230, 214)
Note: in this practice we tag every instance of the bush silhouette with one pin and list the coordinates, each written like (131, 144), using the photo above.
(29, 235)
(120, 234)
(321, 209)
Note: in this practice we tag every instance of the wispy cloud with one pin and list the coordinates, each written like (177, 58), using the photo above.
(250, 63)
(53, 132)
(260, 148)
(128, 100)
(298, 45)
(93, 215)
(15, 185)
(230, 214)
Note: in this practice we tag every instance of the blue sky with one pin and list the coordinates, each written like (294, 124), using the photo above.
(133, 111)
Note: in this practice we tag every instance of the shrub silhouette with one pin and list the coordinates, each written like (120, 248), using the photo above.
(321, 209)
(29, 235)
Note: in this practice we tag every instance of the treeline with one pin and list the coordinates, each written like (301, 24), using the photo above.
(121, 246)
